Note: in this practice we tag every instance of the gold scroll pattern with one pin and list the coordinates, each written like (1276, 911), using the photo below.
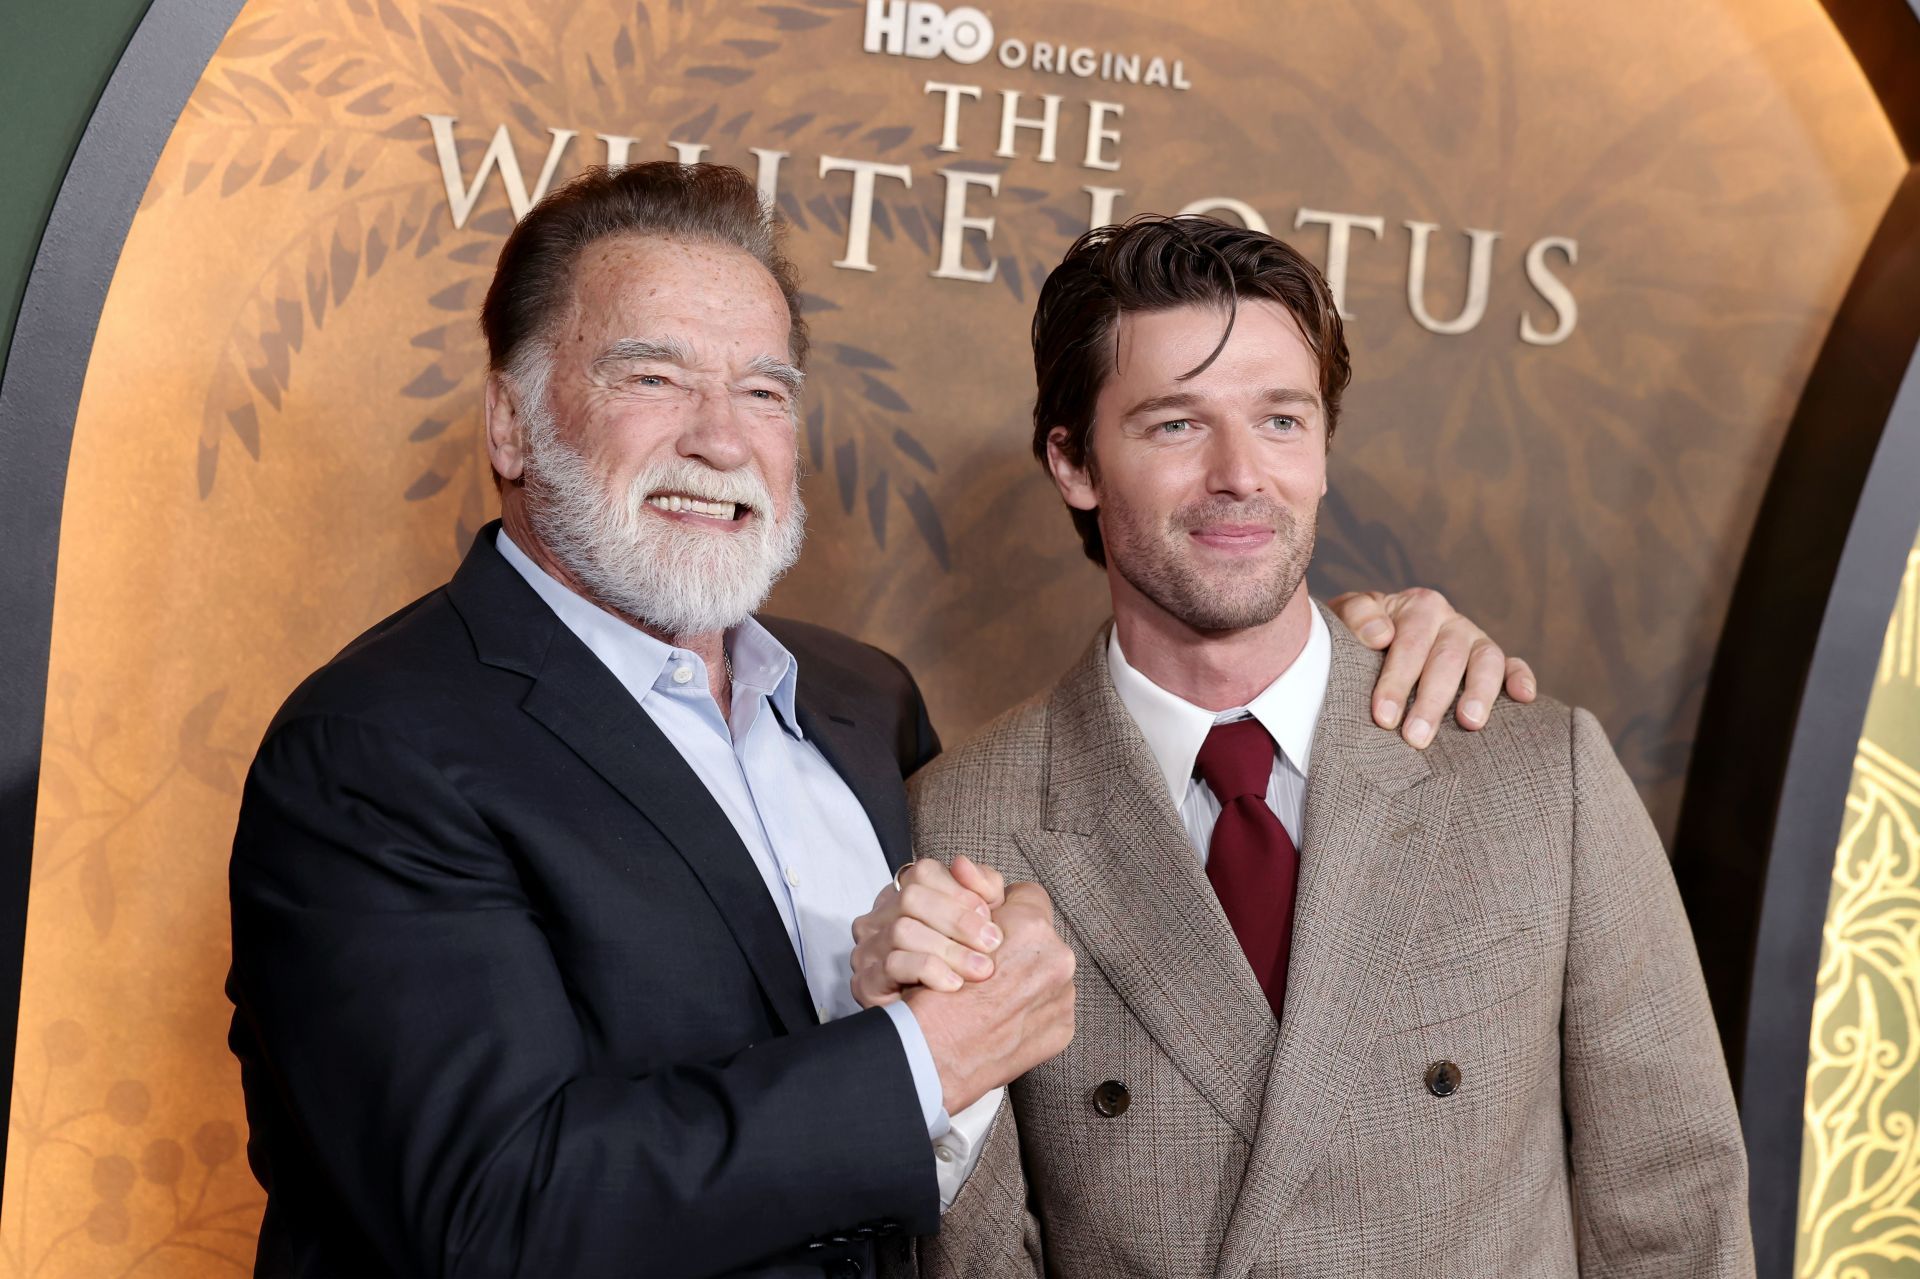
(1860, 1166)
(1900, 655)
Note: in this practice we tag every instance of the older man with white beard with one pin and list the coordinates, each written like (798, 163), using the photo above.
(542, 889)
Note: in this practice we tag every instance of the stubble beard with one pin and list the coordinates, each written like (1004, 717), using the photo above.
(1165, 566)
(680, 581)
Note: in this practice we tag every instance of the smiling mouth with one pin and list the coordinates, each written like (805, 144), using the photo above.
(1232, 535)
(688, 504)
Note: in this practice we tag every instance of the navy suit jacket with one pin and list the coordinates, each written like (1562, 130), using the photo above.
(510, 995)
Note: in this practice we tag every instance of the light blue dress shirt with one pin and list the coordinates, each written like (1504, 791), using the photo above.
(814, 846)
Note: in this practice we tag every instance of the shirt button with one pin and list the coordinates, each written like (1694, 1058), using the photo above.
(821, 1011)
(944, 1154)
(681, 674)
(793, 877)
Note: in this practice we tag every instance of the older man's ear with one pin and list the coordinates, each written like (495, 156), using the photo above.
(1433, 652)
(505, 439)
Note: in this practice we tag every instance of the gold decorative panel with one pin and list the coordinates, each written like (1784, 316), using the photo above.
(1860, 1167)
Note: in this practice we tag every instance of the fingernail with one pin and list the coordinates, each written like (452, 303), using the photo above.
(1418, 731)
(1388, 713)
(950, 983)
(983, 912)
(1375, 630)
(1473, 709)
(1528, 687)
(991, 936)
(979, 964)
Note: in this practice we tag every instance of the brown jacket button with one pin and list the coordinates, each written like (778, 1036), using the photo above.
(1443, 1079)
(1111, 1099)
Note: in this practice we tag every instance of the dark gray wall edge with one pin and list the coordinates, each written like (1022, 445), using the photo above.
(1767, 784)
(46, 367)
(1884, 36)
(1793, 674)
(1812, 808)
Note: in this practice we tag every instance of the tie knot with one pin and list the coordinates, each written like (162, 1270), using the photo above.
(1236, 760)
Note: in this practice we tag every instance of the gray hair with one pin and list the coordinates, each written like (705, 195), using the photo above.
(701, 202)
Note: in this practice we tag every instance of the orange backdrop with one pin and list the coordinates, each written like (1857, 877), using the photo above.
(277, 443)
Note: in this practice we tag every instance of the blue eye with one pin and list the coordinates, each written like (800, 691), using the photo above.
(1284, 422)
(1176, 427)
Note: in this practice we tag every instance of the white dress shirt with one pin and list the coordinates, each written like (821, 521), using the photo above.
(1175, 729)
(806, 831)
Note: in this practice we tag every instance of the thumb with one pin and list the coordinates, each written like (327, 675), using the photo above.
(983, 881)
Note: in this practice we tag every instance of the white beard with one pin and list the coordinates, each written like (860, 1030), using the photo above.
(678, 579)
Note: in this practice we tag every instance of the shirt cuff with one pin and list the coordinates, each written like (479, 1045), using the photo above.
(955, 1154)
(926, 1075)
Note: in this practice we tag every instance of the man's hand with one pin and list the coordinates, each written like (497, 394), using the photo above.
(1427, 641)
(991, 1032)
(935, 929)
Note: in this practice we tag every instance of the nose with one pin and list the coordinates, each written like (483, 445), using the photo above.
(1233, 463)
(713, 431)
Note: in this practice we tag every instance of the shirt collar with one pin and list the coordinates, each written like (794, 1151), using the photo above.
(1175, 729)
(762, 666)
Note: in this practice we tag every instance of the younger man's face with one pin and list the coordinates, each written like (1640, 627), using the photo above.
(1208, 488)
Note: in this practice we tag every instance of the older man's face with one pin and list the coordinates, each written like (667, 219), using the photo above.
(678, 350)
(662, 472)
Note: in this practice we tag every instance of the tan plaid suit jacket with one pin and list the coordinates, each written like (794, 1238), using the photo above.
(1500, 902)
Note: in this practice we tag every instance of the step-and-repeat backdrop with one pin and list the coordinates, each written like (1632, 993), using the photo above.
(1588, 253)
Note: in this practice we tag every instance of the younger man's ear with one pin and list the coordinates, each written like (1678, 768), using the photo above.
(1075, 482)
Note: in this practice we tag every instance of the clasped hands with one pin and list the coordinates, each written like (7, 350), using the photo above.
(980, 964)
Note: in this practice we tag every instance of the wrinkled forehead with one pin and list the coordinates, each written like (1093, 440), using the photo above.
(711, 298)
(620, 277)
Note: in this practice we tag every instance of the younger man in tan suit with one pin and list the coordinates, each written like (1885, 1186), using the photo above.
(1344, 1008)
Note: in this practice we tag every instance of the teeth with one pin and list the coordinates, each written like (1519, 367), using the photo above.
(674, 502)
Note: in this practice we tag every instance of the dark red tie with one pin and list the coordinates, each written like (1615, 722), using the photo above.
(1251, 859)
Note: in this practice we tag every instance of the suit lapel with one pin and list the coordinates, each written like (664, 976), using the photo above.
(865, 764)
(1375, 823)
(581, 703)
(1120, 868)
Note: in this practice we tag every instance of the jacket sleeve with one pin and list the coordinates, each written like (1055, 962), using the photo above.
(991, 1228)
(1659, 1169)
(395, 980)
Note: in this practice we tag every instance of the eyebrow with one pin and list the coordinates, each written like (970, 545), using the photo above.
(1161, 403)
(1188, 400)
(674, 351)
(779, 370)
(660, 350)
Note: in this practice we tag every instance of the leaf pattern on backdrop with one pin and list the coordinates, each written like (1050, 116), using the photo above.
(92, 799)
(337, 106)
(183, 1199)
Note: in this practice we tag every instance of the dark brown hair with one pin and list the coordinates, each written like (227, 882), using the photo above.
(704, 202)
(1156, 263)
